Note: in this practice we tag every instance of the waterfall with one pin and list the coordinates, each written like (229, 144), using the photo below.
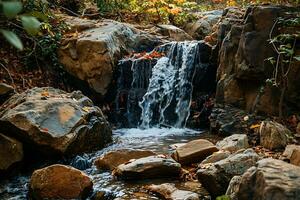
(169, 94)
(158, 91)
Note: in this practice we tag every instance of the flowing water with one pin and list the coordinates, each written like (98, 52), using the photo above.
(154, 93)
(155, 139)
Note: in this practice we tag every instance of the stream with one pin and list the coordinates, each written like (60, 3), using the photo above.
(155, 139)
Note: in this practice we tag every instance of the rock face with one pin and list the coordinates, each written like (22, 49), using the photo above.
(11, 152)
(244, 46)
(148, 167)
(113, 159)
(59, 182)
(270, 179)
(273, 135)
(55, 122)
(215, 177)
(170, 192)
(93, 55)
(194, 151)
(234, 143)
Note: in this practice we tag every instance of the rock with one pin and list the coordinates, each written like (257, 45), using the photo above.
(289, 149)
(273, 135)
(216, 156)
(170, 192)
(194, 151)
(113, 159)
(295, 157)
(59, 182)
(53, 122)
(203, 26)
(270, 179)
(173, 32)
(11, 152)
(243, 40)
(234, 143)
(233, 187)
(93, 56)
(148, 167)
(5, 92)
(215, 177)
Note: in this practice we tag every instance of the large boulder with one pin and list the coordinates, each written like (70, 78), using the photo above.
(273, 135)
(172, 32)
(170, 192)
(93, 54)
(215, 177)
(55, 122)
(194, 151)
(270, 179)
(113, 159)
(148, 167)
(59, 182)
(11, 152)
(234, 143)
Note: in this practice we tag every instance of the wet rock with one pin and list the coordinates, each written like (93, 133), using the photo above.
(11, 152)
(170, 192)
(59, 182)
(81, 162)
(54, 122)
(215, 177)
(270, 179)
(216, 156)
(148, 168)
(273, 135)
(204, 25)
(94, 54)
(194, 151)
(233, 187)
(103, 195)
(113, 159)
(173, 32)
(234, 143)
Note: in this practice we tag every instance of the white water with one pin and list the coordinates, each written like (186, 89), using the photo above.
(168, 97)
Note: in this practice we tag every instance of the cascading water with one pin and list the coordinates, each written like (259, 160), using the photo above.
(158, 91)
(168, 98)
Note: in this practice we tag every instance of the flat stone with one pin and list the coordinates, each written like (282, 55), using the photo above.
(170, 192)
(59, 182)
(194, 151)
(270, 179)
(150, 167)
(234, 143)
(273, 135)
(215, 177)
(11, 152)
(113, 159)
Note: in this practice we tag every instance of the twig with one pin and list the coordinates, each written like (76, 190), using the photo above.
(12, 80)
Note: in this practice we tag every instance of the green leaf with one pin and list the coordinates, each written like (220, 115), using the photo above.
(297, 58)
(12, 38)
(11, 8)
(30, 24)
